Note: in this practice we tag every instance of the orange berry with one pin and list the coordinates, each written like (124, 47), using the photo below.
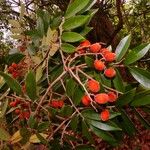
(110, 72)
(17, 111)
(110, 57)
(12, 104)
(101, 98)
(95, 48)
(99, 65)
(93, 86)
(104, 115)
(85, 43)
(56, 103)
(85, 100)
(104, 51)
(112, 97)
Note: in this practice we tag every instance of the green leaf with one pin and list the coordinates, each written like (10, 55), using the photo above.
(31, 85)
(67, 110)
(86, 133)
(75, 22)
(103, 126)
(25, 134)
(142, 120)
(43, 126)
(142, 76)
(118, 82)
(104, 135)
(141, 101)
(70, 87)
(12, 83)
(32, 122)
(74, 123)
(4, 108)
(78, 93)
(122, 47)
(71, 37)
(4, 135)
(136, 54)
(126, 123)
(89, 61)
(16, 58)
(68, 48)
(126, 98)
(75, 7)
(40, 26)
(86, 30)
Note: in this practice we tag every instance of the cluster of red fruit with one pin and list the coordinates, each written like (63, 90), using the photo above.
(100, 65)
(14, 69)
(22, 108)
(99, 98)
(56, 103)
(106, 57)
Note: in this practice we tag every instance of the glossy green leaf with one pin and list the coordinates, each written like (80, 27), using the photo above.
(12, 83)
(103, 134)
(136, 54)
(31, 85)
(126, 123)
(16, 58)
(74, 123)
(68, 48)
(4, 135)
(141, 101)
(67, 110)
(118, 82)
(78, 93)
(86, 30)
(126, 98)
(75, 7)
(103, 126)
(70, 87)
(89, 61)
(141, 75)
(32, 122)
(86, 133)
(75, 22)
(142, 120)
(71, 37)
(122, 47)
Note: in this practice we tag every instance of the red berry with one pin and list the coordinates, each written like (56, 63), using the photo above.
(93, 86)
(26, 115)
(112, 97)
(105, 115)
(85, 100)
(81, 51)
(14, 65)
(110, 72)
(110, 57)
(21, 116)
(101, 98)
(10, 69)
(85, 43)
(99, 65)
(60, 103)
(15, 74)
(104, 51)
(95, 48)
(17, 111)
(17, 101)
(12, 104)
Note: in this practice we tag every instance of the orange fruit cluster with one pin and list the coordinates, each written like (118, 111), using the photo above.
(101, 65)
(56, 103)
